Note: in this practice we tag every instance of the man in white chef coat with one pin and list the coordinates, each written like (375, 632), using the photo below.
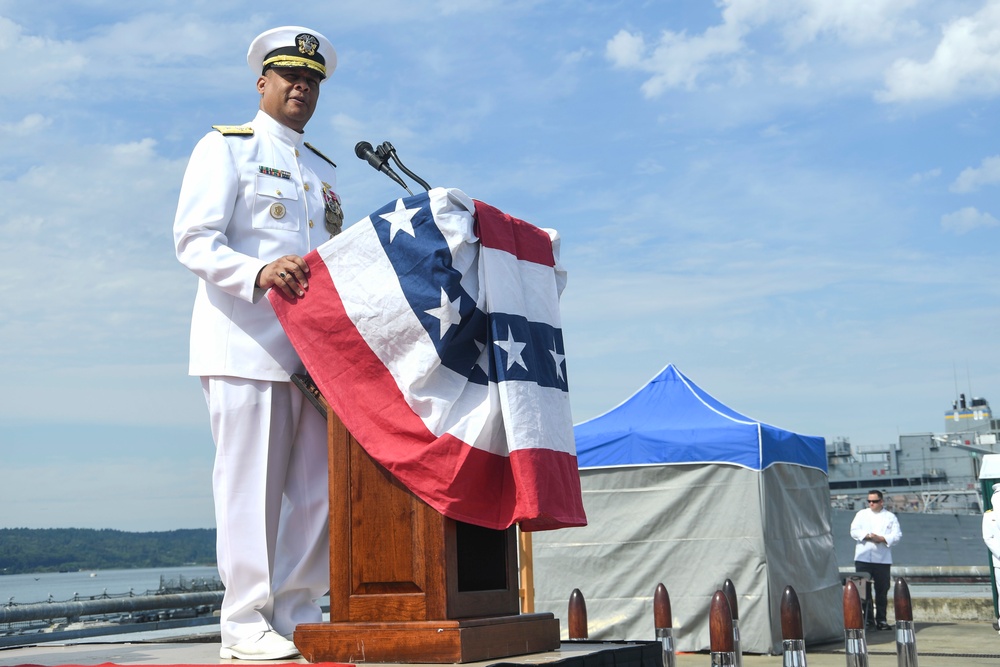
(876, 530)
(255, 198)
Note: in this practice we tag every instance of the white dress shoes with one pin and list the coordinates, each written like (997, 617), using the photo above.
(267, 645)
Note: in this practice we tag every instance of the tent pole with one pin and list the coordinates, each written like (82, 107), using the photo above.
(527, 590)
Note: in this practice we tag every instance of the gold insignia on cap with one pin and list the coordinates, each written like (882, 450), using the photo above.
(277, 211)
(307, 43)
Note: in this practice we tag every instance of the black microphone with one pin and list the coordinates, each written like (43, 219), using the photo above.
(364, 151)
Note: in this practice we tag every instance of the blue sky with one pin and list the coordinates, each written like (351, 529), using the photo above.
(795, 203)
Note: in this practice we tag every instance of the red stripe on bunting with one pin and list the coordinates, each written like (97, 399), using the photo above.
(498, 230)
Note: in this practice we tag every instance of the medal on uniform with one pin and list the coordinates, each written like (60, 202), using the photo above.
(277, 211)
(334, 214)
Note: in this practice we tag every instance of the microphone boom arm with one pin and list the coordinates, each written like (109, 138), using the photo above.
(386, 150)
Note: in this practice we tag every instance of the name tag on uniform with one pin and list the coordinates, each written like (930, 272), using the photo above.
(271, 171)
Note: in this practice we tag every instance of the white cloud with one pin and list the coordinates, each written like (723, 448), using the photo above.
(967, 219)
(93, 210)
(972, 178)
(174, 51)
(965, 63)
(626, 49)
(52, 63)
(156, 39)
(849, 21)
(677, 60)
(743, 40)
(923, 176)
(27, 126)
(575, 57)
(798, 75)
(111, 283)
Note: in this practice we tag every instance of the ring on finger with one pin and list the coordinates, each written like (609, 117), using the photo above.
(282, 275)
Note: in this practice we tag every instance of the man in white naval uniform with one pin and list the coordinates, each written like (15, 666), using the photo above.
(254, 199)
(991, 535)
(876, 530)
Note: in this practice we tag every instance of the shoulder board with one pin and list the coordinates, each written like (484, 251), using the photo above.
(233, 129)
(313, 149)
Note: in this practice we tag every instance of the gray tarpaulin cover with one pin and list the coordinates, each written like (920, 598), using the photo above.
(691, 526)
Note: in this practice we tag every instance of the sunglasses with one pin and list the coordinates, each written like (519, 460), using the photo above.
(874, 502)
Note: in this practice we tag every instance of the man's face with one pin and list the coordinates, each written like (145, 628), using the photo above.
(874, 503)
(289, 95)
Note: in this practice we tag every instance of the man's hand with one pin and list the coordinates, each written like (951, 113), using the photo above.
(287, 274)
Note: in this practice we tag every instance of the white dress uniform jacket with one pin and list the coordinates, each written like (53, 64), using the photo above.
(882, 523)
(991, 534)
(245, 201)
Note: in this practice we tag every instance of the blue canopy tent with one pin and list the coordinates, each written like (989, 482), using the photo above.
(672, 420)
(681, 489)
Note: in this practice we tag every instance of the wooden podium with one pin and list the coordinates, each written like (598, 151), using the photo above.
(406, 583)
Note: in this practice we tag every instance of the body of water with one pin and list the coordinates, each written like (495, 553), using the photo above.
(928, 539)
(62, 586)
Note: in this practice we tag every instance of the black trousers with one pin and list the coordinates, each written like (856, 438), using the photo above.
(880, 582)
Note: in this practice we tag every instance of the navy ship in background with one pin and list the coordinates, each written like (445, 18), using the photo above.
(931, 473)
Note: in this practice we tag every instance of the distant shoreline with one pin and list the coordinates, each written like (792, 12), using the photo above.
(43, 550)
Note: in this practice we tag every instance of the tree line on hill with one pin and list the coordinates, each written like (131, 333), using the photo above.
(69, 549)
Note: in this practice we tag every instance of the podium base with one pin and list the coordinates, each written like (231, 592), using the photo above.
(449, 641)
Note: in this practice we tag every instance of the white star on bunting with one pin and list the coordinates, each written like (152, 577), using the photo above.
(513, 350)
(447, 313)
(558, 358)
(400, 220)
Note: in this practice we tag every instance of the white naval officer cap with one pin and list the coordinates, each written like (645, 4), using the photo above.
(292, 46)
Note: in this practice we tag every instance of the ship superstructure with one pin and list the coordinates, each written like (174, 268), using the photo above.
(921, 472)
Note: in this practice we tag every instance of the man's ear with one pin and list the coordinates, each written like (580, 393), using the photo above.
(261, 81)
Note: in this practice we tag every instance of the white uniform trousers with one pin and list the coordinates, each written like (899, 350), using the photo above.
(271, 505)
(996, 582)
